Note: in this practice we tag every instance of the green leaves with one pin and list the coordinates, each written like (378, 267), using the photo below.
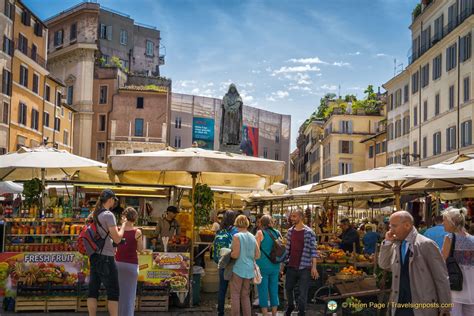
(203, 203)
(32, 191)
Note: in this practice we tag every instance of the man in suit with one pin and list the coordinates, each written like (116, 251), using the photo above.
(419, 274)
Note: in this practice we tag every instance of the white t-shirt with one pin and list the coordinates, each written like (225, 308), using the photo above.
(464, 255)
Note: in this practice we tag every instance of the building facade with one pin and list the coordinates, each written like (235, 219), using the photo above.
(376, 150)
(87, 37)
(198, 119)
(430, 107)
(6, 37)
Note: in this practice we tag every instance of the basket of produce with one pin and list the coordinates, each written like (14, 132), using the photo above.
(349, 273)
(363, 260)
(207, 235)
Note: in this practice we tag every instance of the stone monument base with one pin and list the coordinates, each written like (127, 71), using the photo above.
(235, 149)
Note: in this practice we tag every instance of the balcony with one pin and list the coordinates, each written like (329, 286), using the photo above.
(415, 53)
(31, 53)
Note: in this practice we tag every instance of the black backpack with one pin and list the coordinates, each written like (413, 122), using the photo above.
(454, 271)
(278, 249)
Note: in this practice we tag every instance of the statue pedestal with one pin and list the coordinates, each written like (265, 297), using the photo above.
(235, 149)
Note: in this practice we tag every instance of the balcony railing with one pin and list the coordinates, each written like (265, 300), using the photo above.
(28, 51)
(414, 53)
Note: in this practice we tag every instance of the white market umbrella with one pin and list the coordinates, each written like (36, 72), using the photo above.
(395, 178)
(302, 189)
(10, 187)
(454, 163)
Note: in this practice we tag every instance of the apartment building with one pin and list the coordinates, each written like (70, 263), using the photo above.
(87, 37)
(376, 149)
(430, 106)
(6, 37)
(197, 119)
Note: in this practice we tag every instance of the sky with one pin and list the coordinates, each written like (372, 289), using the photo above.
(283, 55)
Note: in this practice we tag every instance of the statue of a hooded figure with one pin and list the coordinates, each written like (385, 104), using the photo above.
(231, 121)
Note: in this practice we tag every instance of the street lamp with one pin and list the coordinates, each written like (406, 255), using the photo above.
(406, 158)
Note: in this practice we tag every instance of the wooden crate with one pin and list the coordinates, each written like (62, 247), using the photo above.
(61, 304)
(153, 303)
(82, 304)
(23, 304)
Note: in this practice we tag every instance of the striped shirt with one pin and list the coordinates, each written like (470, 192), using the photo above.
(309, 250)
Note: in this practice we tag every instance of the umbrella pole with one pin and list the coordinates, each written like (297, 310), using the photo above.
(396, 192)
(191, 277)
(43, 184)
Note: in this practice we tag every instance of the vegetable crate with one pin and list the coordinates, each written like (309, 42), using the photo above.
(153, 303)
(61, 304)
(23, 304)
(82, 304)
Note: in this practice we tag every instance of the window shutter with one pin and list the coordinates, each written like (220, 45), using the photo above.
(350, 168)
(341, 126)
(469, 132)
(109, 32)
(461, 47)
(350, 127)
(340, 146)
(340, 169)
(351, 147)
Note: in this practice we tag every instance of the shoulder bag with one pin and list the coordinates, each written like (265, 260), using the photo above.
(454, 271)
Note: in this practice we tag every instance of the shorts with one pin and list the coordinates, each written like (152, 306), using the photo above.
(103, 270)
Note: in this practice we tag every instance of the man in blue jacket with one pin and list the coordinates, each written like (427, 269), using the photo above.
(437, 232)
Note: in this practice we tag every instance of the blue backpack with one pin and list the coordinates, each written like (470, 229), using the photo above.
(223, 239)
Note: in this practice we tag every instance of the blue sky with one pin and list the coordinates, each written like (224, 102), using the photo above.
(283, 55)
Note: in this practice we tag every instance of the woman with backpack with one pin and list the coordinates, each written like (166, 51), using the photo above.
(223, 239)
(127, 262)
(103, 268)
(269, 269)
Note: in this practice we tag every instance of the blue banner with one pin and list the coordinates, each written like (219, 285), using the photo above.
(203, 132)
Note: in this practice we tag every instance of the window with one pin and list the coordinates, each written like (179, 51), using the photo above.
(277, 155)
(415, 116)
(5, 113)
(101, 151)
(46, 119)
(57, 124)
(139, 102)
(406, 125)
(6, 82)
(149, 48)
(106, 32)
(345, 127)
(378, 148)
(177, 122)
(7, 46)
(35, 83)
(438, 28)
(26, 18)
(414, 82)
(415, 150)
(58, 98)
(345, 147)
(24, 76)
(452, 16)
(425, 39)
(139, 127)
(425, 147)
(466, 133)
(102, 122)
(70, 95)
(398, 128)
(437, 143)
(177, 141)
(23, 44)
(345, 168)
(451, 57)
(22, 114)
(103, 95)
(123, 37)
(34, 52)
(425, 75)
(384, 146)
(277, 137)
(466, 89)
(119, 151)
(425, 111)
(437, 62)
(390, 131)
(398, 98)
(47, 93)
(38, 29)
(70, 116)
(406, 93)
(73, 32)
(465, 47)
(9, 9)
(137, 151)
(65, 138)
(437, 104)
(58, 38)
(371, 151)
(450, 138)
(34, 119)
(390, 101)
(451, 97)
(62, 112)
(265, 152)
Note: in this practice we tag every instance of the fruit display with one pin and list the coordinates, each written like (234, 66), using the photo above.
(338, 256)
(351, 270)
(36, 274)
(54, 247)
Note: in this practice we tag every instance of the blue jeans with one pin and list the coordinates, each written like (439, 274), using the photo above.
(300, 278)
(223, 284)
(269, 285)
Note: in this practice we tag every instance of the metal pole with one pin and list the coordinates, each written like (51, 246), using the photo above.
(191, 277)
(43, 184)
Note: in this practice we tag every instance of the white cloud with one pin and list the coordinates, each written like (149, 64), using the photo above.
(305, 68)
(187, 83)
(381, 55)
(255, 71)
(299, 88)
(195, 91)
(354, 54)
(272, 99)
(281, 94)
(340, 64)
(305, 82)
(210, 84)
(310, 61)
(329, 87)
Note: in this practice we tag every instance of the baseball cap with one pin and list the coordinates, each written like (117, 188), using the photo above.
(172, 209)
(107, 194)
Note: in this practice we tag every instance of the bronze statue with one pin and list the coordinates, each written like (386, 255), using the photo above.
(231, 121)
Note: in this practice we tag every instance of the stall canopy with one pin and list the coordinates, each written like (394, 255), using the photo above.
(458, 162)
(50, 164)
(216, 169)
(397, 179)
(10, 187)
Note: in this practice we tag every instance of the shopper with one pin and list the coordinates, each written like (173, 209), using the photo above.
(300, 262)
(419, 274)
(437, 232)
(349, 239)
(454, 220)
(223, 239)
(270, 271)
(370, 240)
(103, 268)
(245, 251)
(127, 262)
